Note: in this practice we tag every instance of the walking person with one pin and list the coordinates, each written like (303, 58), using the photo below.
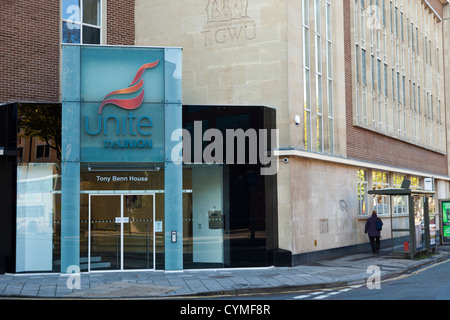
(373, 229)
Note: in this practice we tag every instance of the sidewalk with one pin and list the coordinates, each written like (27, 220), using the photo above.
(345, 271)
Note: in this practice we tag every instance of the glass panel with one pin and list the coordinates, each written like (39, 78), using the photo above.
(121, 67)
(84, 231)
(187, 229)
(400, 204)
(159, 235)
(71, 10)
(57, 232)
(105, 232)
(401, 236)
(207, 217)
(245, 212)
(173, 75)
(91, 12)
(91, 35)
(434, 222)
(138, 232)
(71, 33)
(419, 222)
(362, 192)
(35, 209)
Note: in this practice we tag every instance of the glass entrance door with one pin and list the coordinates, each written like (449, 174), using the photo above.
(138, 232)
(121, 232)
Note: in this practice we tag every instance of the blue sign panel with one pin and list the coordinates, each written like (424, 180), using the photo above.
(122, 105)
(118, 135)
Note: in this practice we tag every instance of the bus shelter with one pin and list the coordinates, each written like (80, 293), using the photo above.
(415, 234)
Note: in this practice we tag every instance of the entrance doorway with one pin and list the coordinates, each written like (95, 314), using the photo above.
(121, 232)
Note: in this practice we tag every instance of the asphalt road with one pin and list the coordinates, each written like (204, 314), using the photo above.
(428, 283)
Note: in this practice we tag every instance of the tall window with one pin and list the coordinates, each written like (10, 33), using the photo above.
(81, 21)
(330, 79)
(319, 91)
(380, 202)
(306, 76)
(400, 202)
(416, 183)
(362, 192)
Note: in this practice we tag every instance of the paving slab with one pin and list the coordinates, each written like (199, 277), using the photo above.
(348, 270)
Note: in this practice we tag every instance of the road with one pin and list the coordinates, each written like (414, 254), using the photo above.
(428, 283)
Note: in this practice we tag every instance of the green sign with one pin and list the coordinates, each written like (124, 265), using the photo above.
(446, 231)
(446, 220)
(445, 211)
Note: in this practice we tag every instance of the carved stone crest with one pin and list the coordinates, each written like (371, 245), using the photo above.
(226, 10)
(228, 22)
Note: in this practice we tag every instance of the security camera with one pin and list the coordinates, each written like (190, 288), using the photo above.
(286, 160)
(297, 119)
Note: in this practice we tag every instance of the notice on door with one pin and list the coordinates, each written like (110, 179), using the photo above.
(158, 226)
(122, 220)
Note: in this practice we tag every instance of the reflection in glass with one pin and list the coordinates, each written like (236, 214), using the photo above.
(419, 222)
(38, 187)
(105, 233)
(91, 35)
(138, 232)
(84, 231)
(71, 33)
(39, 129)
(434, 222)
(91, 12)
(36, 206)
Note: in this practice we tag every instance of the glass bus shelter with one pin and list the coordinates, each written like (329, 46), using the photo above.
(416, 234)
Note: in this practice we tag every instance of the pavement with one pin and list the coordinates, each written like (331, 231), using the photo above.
(162, 285)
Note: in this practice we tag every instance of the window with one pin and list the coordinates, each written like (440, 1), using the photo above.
(385, 80)
(416, 183)
(363, 67)
(379, 74)
(306, 76)
(319, 96)
(19, 154)
(81, 21)
(380, 202)
(400, 202)
(330, 78)
(42, 151)
(362, 192)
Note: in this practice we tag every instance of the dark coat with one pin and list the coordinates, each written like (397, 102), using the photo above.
(371, 226)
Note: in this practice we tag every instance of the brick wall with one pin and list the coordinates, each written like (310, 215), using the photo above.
(437, 6)
(366, 145)
(29, 50)
(121, 25)
(30, 46)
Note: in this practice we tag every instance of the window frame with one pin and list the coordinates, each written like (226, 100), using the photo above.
(82, 24)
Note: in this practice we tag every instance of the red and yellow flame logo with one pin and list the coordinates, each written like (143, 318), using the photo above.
(136, 85)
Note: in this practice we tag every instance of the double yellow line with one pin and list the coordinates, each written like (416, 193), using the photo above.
(403, 276)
